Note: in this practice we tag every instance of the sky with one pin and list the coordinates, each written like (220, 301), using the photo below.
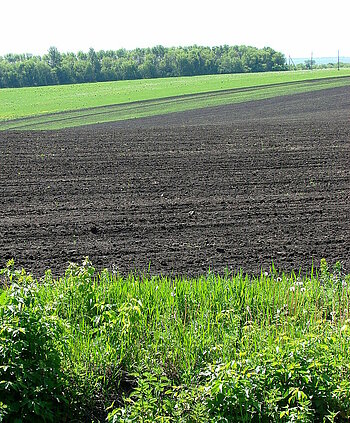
(295, 28)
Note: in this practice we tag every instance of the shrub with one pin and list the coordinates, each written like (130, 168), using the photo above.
(302, 380)
(31, 383)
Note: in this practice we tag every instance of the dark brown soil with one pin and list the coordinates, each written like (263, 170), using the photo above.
(224, 188)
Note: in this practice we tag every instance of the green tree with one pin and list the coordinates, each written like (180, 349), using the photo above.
(53, 57)
(95, 65)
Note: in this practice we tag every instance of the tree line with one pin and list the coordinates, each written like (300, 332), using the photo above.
(26, 70)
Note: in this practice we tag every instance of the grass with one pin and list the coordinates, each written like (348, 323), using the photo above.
(38, 102)
(230, 348)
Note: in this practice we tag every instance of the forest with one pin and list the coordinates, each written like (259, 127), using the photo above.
(55, 67)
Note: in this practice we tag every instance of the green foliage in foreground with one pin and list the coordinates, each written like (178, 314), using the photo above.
(21, 102)
(102, 347)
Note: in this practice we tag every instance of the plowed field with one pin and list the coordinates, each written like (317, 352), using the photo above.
(229, 187)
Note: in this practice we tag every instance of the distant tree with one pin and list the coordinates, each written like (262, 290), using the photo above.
(95, 64)
(230, 62)
(8, 75)
(108, 72)
(158, 51)
(53, 57)
(309, 63)
(129, 69)
(148, 69)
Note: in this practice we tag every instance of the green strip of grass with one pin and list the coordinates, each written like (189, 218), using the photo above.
(168, 105)
(22, 102)
(140, 348)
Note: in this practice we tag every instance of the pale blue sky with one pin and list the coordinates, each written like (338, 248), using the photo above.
(294, 27)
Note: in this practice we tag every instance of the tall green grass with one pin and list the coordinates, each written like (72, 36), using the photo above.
(229, 348)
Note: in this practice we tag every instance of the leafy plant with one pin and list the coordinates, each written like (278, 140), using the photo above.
(31, 382)
(155, 399)
(300, 381)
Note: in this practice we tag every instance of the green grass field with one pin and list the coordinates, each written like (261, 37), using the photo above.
(37, 104)
(273, 348)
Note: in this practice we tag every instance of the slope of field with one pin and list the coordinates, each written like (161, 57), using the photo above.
(162, 106)
(227, 187)
(24, 102)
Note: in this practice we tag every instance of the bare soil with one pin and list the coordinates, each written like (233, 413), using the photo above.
(222, 188)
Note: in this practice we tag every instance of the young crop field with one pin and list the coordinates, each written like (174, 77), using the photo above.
(42, 107)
